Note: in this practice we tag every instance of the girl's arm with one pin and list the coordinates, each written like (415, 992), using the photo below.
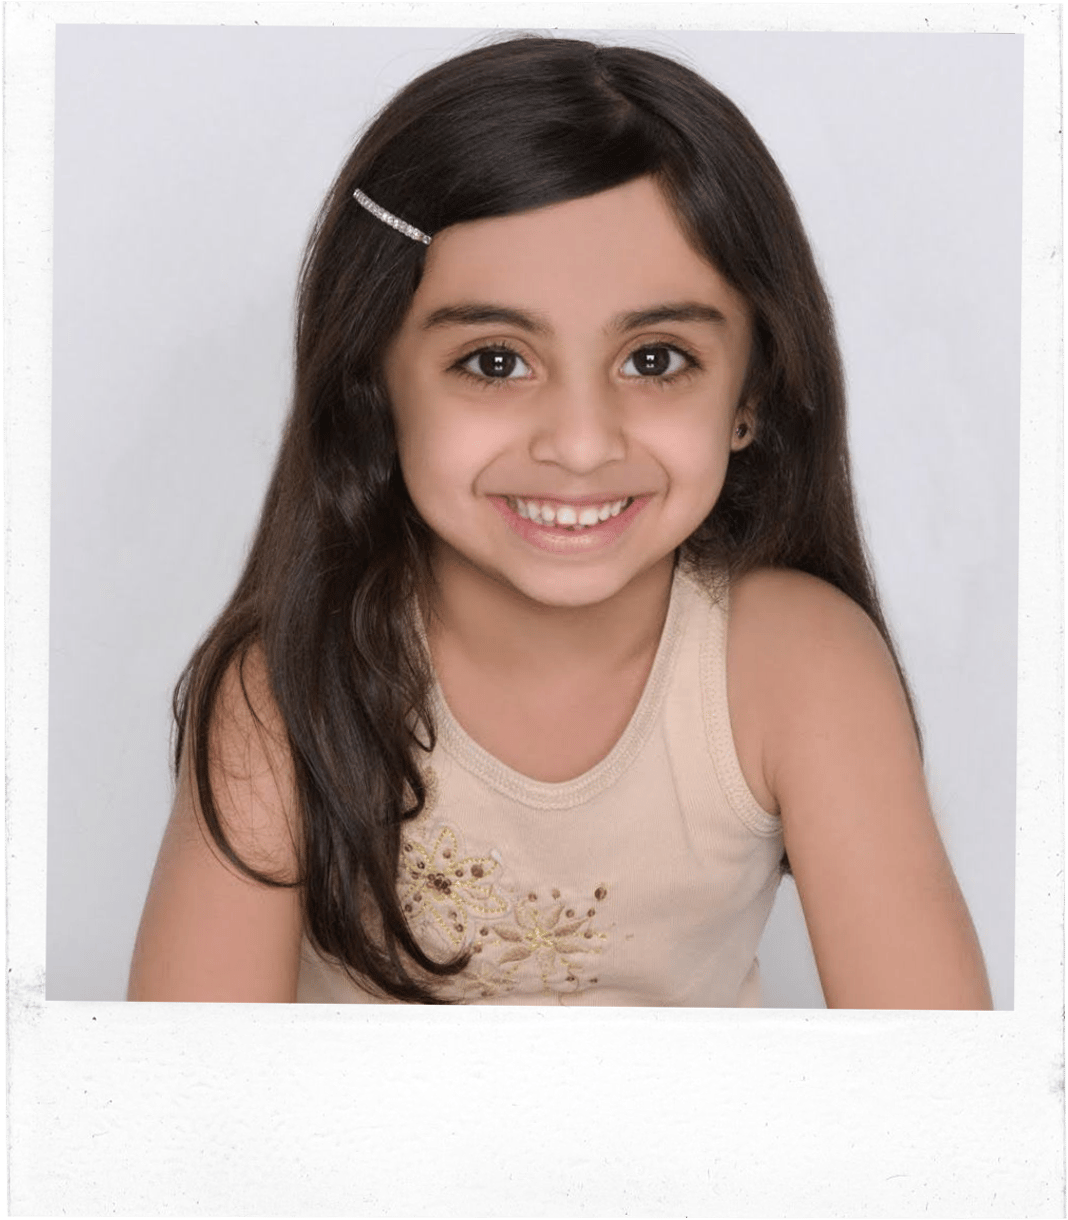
(824, 734)
(208, 932)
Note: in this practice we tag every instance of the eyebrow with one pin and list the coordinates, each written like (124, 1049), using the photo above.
(479, 314)
(681, 311)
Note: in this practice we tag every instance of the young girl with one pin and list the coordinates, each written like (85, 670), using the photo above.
(557, 643)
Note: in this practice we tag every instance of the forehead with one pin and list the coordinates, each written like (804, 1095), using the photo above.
(620, 249)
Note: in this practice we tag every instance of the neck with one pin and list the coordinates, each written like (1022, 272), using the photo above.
(494, 625)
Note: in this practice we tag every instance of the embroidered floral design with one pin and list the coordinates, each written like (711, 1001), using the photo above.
(516, 942)
(446, 887)
(554, 938)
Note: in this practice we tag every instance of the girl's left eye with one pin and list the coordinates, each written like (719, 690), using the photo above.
(656, 360)
(494, 364)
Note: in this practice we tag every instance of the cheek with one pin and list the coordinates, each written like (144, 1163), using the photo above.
(413, 430)
(703, 486)
(443, 451)
(694, 460)
(692, 448)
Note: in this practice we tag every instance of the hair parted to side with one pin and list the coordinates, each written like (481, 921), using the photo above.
(327, 599)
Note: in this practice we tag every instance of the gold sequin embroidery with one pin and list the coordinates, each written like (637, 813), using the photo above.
(518, 939)
(535, 942)
(447, 887)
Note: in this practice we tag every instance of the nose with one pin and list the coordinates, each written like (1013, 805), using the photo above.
(578, 427)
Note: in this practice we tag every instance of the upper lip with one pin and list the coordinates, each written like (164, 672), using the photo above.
(608, 497)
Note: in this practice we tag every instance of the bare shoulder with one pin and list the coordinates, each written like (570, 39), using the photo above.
(822, 721)
(787, 614)
(798, 651)
(251, 770)
(209, 930)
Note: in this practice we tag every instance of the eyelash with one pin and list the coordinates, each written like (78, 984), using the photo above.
(692, 364)
(490, 350)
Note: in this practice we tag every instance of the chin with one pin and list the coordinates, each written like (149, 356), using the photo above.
(575, 589)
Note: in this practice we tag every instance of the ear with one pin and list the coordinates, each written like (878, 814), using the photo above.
(744, 426)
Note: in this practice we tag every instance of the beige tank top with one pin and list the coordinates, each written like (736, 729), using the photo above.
(645, 881)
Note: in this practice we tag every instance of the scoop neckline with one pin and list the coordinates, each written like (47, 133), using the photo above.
(547, 794)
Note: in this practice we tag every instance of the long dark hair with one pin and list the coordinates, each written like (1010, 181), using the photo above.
(340, 557)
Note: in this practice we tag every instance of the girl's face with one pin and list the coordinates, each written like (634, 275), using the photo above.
(566, 392)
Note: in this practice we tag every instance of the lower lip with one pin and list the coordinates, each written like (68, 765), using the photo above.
(569, 541)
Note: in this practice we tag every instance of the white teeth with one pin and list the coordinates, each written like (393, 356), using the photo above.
(568, 516)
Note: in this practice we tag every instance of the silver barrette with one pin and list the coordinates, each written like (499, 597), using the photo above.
(394, 222)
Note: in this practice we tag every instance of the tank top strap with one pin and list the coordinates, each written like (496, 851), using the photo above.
(707, 649)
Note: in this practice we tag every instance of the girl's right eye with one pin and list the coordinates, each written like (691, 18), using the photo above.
(494, 364)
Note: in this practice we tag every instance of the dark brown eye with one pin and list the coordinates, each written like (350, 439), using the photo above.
(656, 360)
(495, 364)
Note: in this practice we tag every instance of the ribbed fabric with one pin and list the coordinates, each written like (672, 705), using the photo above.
(645, 881)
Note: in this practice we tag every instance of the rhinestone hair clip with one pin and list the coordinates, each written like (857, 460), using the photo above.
(394, 222)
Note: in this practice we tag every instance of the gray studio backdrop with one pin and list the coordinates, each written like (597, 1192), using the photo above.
(189, 163)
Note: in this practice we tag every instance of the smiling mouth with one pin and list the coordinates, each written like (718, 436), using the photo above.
(563, 516)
